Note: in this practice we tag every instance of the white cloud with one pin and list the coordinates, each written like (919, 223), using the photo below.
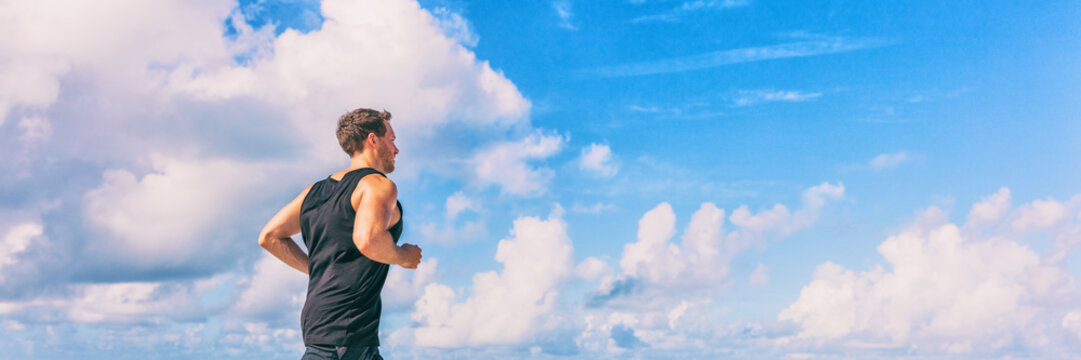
(16, 241)
(404, 286)
(990, 209)
(592, 269)
(505, 307)
(945, 291)
(779, 221)
(888, 161)
(752, 97)
(456, 27)
(665, 292)
(1054, 218)
(597, 159)
(161, 219)
(1072, 322)
(505, 164)
(130, 302)
(657, 261)
(241, 339)
(704, 254)
(169, 59)
(272, 291)
(424, 77)
(1041, 214)
(459, 202)
(220, 129)
(57, 37)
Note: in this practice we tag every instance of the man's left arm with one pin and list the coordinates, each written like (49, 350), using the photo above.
(277, 235)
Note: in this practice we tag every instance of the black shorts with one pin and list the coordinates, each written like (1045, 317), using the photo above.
(329, 352)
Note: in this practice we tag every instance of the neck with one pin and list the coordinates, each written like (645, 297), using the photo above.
(362, 161)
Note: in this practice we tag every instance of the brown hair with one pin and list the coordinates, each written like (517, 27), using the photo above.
(354, 127)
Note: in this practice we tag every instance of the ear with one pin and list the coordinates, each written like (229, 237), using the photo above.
(371, 139)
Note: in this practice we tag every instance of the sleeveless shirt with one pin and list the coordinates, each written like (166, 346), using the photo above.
(343, 305)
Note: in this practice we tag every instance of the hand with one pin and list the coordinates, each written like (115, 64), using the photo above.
(411, 256)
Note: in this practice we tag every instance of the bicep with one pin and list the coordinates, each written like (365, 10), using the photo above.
(374, 208)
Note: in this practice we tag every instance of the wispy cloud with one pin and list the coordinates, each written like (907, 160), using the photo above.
(565, 13)
(597, 208)
(888, 161)
(732, 56)
(751, 97)
(688, 7)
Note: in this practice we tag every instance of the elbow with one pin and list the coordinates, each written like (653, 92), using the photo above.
(265, 239)
(363, 243)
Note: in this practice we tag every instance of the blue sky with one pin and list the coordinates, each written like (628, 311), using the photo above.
(617, 179)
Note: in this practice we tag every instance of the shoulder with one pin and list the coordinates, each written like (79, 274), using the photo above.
(374, 187)
(377, 183)
(304, 194)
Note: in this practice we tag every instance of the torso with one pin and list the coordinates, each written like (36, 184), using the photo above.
(343, 303)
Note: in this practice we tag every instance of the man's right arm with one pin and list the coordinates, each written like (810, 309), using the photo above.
(375, 208)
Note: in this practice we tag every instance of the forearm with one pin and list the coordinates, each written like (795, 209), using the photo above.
(379, 246)
(286, 250)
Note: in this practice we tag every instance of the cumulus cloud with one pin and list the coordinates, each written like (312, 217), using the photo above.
(273, 293)
(505, 164)
(161, 219)
(944, 291)
(161, 134)
(592, 269)
(664, 294)
(195, 115)
(423, 76)
(888, 161)
(459, 202)
(111, 38)
(403, 286)
(656, 260)
(139, 303)
(704, 254)
(134, 302)
(990, 209)
(597, 159)
(778, 220)
(1041, 214)
(505, 307)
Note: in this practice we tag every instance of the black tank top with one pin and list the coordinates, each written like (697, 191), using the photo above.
(343, 304)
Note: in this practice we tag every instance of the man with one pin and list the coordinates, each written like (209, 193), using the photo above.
(350, 222)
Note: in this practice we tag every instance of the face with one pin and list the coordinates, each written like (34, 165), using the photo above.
(387, 149)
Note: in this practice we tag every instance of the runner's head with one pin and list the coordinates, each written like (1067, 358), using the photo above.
(366, 132)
